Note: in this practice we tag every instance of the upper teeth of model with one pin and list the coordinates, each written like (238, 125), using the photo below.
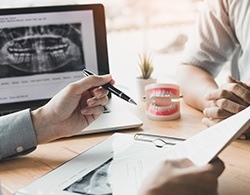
(161, 93)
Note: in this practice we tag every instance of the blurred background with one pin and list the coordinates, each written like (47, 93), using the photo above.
(159, 27)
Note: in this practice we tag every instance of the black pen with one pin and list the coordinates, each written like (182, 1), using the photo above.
(112, 89)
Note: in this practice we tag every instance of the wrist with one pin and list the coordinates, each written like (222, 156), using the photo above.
(43, 125)
(207, 103)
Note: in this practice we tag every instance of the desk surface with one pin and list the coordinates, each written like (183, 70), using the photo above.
(17, 173)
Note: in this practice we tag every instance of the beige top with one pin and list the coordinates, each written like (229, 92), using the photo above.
(221, 34)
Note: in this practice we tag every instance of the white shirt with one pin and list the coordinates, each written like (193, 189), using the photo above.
(222, 34)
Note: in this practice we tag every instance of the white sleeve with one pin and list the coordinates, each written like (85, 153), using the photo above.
(213, 42)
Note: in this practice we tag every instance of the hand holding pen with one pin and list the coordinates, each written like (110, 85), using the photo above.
(112, 89)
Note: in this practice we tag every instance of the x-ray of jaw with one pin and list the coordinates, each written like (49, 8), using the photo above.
(40, 49)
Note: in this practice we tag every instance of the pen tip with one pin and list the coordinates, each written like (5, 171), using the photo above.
(132, 102)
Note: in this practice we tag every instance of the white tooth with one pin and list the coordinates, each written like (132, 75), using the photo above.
(15, 60)
(56, 55)
(61, 56)
(157, 93)
(48, 48)
(20, 59)
(152, 95)
(27, 58)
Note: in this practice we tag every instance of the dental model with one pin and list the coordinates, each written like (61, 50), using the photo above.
(162, 101)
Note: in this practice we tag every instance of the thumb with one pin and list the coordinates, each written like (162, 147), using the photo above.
(230, 79)
(248, 83)
(216, 166)
(86, 83)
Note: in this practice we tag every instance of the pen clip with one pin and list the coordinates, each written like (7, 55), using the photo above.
(157, 140)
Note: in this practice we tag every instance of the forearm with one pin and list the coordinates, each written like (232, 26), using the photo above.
(194, 84)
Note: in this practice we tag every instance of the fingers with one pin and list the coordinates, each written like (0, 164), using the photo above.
(210, 122)
(95, 101)
(248, 83)
(92, 110)
(77, 88)
(229, 106)
(95, 105)
(222, 108)
(99, 92)
(240, 91)
(216, 167)
(216, 112)
(232, 80)
(180, 163)
(210, 171)
(224, 94)
(245, 135)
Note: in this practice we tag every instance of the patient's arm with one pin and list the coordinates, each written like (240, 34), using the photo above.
(194, 84)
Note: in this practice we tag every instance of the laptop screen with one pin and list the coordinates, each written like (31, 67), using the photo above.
(42, 52)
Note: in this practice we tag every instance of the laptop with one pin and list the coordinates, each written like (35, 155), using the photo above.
(43, 49)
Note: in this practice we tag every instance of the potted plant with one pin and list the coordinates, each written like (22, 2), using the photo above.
(146, 69)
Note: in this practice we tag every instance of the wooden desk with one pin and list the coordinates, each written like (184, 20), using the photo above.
(17, 173)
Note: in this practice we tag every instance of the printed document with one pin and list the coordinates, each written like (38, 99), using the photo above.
(200, 149)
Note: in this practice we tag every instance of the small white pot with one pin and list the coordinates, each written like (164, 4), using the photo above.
(141, 84)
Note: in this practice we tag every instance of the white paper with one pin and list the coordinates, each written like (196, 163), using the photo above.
(201, 149)
(204, 146)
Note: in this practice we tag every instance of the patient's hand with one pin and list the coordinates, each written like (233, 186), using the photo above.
(182, 177)
(226, 101)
